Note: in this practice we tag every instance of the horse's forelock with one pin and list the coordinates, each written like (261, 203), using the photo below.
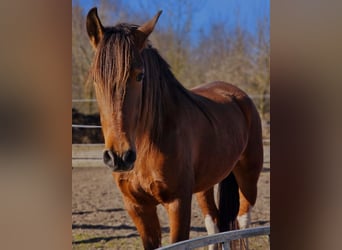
(113, 60)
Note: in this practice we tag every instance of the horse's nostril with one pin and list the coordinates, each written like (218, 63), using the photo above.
(108, 158)
(129, 157)
(117, 163)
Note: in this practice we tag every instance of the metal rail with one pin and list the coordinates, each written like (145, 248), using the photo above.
(224, 238)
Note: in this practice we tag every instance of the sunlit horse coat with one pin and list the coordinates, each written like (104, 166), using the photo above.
(164, 142)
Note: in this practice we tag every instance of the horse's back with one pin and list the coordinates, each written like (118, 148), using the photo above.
(219, 91)
(229, 94)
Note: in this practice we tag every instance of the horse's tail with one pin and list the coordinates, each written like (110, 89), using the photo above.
(228, 203)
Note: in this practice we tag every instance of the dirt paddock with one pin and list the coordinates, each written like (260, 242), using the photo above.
(99, 220)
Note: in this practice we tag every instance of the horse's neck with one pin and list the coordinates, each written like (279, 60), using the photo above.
(158, 110)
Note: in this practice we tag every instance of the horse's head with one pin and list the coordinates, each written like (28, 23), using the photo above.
(118, 73)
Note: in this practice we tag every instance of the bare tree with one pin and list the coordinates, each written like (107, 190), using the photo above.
(173, 34)
(81, 55)
(262, 67)
(111, 11)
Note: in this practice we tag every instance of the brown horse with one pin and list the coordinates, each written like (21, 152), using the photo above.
(164, 142)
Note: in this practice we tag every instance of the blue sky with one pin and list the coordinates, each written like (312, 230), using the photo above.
(244, 12)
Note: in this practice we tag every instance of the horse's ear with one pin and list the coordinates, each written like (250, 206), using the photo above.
(145, 30)
(94, 27)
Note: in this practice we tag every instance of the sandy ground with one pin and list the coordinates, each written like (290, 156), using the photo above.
(99, 220)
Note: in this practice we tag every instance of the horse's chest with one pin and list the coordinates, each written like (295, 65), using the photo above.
(143, 191)
(160, 191)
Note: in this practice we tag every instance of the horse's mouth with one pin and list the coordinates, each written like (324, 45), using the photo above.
(121, 168)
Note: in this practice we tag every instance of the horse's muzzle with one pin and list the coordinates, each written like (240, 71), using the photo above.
(119, 163)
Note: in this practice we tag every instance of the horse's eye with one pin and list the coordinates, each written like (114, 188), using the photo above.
(140, 76)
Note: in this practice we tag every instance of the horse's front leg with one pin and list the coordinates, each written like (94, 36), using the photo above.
(147, 223)
(179, 212)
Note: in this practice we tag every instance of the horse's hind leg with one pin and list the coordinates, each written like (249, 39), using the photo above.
(209, 210)
(146, 220)
(247, 172)
(244, 216)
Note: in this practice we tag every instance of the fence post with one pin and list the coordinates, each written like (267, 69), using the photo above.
(226, 245)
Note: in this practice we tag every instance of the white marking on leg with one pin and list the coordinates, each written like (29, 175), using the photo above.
(211, 229)
(210, 225)
(244, 220)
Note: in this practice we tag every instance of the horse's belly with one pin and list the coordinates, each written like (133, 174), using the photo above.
(215, 160)
(211, 174)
